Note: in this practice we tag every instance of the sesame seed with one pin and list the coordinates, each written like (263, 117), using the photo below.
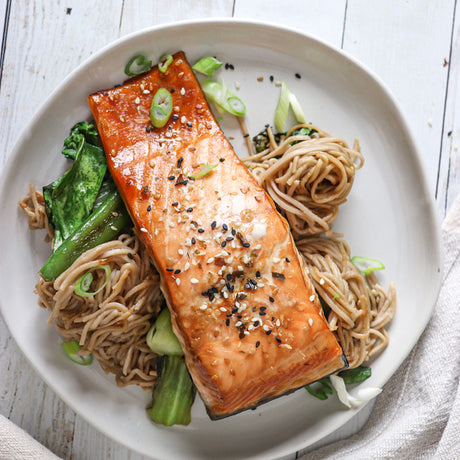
(246, 245)
(176, 203)
(149, 208)
(278, 339)
(176, 272)
(225, 227)
(182, 91)
(175, 117)
(171, 177)
(278, 322)
(203, 307)
(180, 252)
(189, 209)
(144, 230)
(312, 298)
(297, 75)
(321, 281)
(170, 269)
(271, 299)
(193, 240)
(183, 119)
(146, 91)
(213, 224)
(179, 162)
(201, 230)
(178, 281)
(227, 322)
(285, 345)
(189, 124)
(194, 281)
(113, 228)
(223, 309)
(238, 323)
(310, 322)
(223, 244)
(210, 260)
(258, 344)
(268, 332)
(287, 260)
(186, 266)
(137, 100)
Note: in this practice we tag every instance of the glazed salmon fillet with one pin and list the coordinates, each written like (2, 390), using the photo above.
(246, 315)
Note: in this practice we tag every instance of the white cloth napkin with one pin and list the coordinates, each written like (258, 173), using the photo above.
(418, 414)
(16, 444)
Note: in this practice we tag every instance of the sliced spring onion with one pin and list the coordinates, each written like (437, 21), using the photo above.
(366, 265)
(165, 62)
(296, 108)
(320, 389)
(161, 108)
(223, 97)
(355, 375)
(83, 283)
(206, 168)
(207, 65)
(363, 394)
(140, 66)
(72, 348)
(282, 108)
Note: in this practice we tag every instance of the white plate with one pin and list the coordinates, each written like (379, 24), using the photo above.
(389, 216)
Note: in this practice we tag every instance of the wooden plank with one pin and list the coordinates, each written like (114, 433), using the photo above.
(448, 185)
(405, 43)
(139, 14)
(323, 19)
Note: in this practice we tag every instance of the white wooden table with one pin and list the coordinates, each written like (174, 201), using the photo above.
(413, 45)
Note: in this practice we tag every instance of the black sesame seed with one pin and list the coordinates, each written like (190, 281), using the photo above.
(171, 177)
(257, 344)
(149, 208)
(201, 230)
(278, 340)
(271, 299)
(195, 223)
(233, 232)
(231, 67)
(170, 269)
(257, 274)
(226, 66)
(221, 160)
(228, 276)
(225, 227)
(172, 90)
(176, 203)
(229, 238)
(227, 322)
(246, 135)
(229, 286)
(176, 272)
(297, 75)
(246, 245)
(263, 308)
(193, 240)
(214, 289)
(287, 260)
(239, 316)
(213, 224)
(262, 313)
(148, 129)
(278, 276)
(271, 78)
(242, 296)
(223, 244)
(189, 124)
(179, 162)
(189, 209)
(211, 297)
(175, 117)
(229, 315)
(242, 335)
(268, 332)
(234, 309)
(130, 256)
(256, 323)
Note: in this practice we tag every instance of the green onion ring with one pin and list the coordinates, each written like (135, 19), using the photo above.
(84, 282)
(72, 348)
(161, 108)
(140, 61)
(164, 62)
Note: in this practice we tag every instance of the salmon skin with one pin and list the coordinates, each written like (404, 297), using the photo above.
(246, 315)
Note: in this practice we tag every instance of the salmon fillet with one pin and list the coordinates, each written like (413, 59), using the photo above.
(246, 315)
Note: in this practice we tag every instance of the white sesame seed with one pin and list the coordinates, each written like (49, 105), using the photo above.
(223, 309)
(266, 328)
(186, 266)
(246, 332)
(259, 246)
(237, 85)
(180, 252)
(144, 230)
(172, 224)
(177, 281)
(310, 322)
(142, 86)
(194, 281)
(286, 345)
(183, 119)
(182, 91)
(210, 260)
(261, 285)
(278, 83)
(312, 298)
(168, 134)
(238, 323)
(240, 268)
(250, 327)
(146, 91)
(276, 260)
(321, 281)
(137, 100)
(237, 304)
(113, 228)
(225, 294)
(203, 307)
(278, 322)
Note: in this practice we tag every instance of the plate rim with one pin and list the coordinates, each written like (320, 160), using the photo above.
(274, 27)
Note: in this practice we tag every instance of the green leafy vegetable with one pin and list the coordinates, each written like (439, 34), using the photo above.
(137, 65)
(161, 108)
(223, 98)
(262, 142)
(173, 394)
(83, 284)
(69, 200)
(72, 348)
(366, 265)
(161, 338)
(320, 389)
(356, 375)
(206, 168)
(165, 62)
(101, 226)
(207, 66)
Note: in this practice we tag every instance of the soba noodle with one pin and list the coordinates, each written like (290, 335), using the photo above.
(308, 178)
